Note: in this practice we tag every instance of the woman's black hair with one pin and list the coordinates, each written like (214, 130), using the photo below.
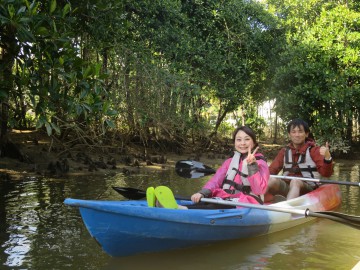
(248, 131)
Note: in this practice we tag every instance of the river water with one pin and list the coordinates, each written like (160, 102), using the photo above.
(37, 231)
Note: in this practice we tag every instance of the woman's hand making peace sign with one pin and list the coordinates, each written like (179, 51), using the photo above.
(251, 156)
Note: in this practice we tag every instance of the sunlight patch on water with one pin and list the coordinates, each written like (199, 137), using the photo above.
(354, 173)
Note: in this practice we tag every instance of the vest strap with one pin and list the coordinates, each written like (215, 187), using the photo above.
(299, 170)
(238, 187)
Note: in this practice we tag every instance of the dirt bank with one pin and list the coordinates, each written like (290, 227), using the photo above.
(43, 156)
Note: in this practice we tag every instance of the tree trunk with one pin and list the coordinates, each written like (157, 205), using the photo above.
(349, 129)
(8, 52)
(220, 118)
(275, 128)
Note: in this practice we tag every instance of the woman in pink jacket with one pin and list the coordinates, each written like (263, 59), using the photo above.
(242, 178)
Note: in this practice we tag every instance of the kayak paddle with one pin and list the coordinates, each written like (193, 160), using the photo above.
(138, 194)
(350, 220)
(195, 169)
(322, 181)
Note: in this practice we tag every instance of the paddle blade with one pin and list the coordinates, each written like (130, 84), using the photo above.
(131, 193)
(350, 220)
(138, 194)
(192, 169)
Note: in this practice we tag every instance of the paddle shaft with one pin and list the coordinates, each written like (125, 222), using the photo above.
(323, 181)
(188, 171)
(352, 221)
(257, 206)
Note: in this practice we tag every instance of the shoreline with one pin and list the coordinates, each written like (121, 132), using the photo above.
(43, 157)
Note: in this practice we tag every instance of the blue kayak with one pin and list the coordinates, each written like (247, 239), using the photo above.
(124, 228)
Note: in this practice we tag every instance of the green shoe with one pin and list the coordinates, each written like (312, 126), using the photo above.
(165, 197)
(150, 196)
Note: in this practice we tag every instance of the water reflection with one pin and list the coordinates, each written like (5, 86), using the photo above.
(22, 225)
(297, 248)
(37, 231)
(348, 171)
(255, 253)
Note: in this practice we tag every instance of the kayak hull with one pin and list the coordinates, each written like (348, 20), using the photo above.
(124, 228)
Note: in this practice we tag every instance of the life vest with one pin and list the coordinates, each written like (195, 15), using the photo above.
(230, 176)
(305, 164)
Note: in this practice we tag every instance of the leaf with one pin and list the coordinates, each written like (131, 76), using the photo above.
(87, 72)
(21, 10)
(87, 107)
(40, 122)
(66, 10)
(56, 128)
(48, 128)
(52, 6)
(97, 69)
(42, 31)
(110, 123)
(112, 112)
(83, 93)
(11, 11)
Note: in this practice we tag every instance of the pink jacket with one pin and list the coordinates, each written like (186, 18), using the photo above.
(258, 182)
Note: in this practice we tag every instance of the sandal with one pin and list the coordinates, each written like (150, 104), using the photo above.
(165, 197)
(150, 197)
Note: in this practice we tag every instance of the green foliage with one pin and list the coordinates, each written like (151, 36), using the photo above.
(318, 77)
(225, 130)
(257, 124)
(337, 145)
(55, 81)
(157, 69)
(253, 120)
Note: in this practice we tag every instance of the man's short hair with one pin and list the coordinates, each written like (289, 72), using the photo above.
(298, 123)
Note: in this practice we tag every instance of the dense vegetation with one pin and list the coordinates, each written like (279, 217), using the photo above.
(168, 71)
